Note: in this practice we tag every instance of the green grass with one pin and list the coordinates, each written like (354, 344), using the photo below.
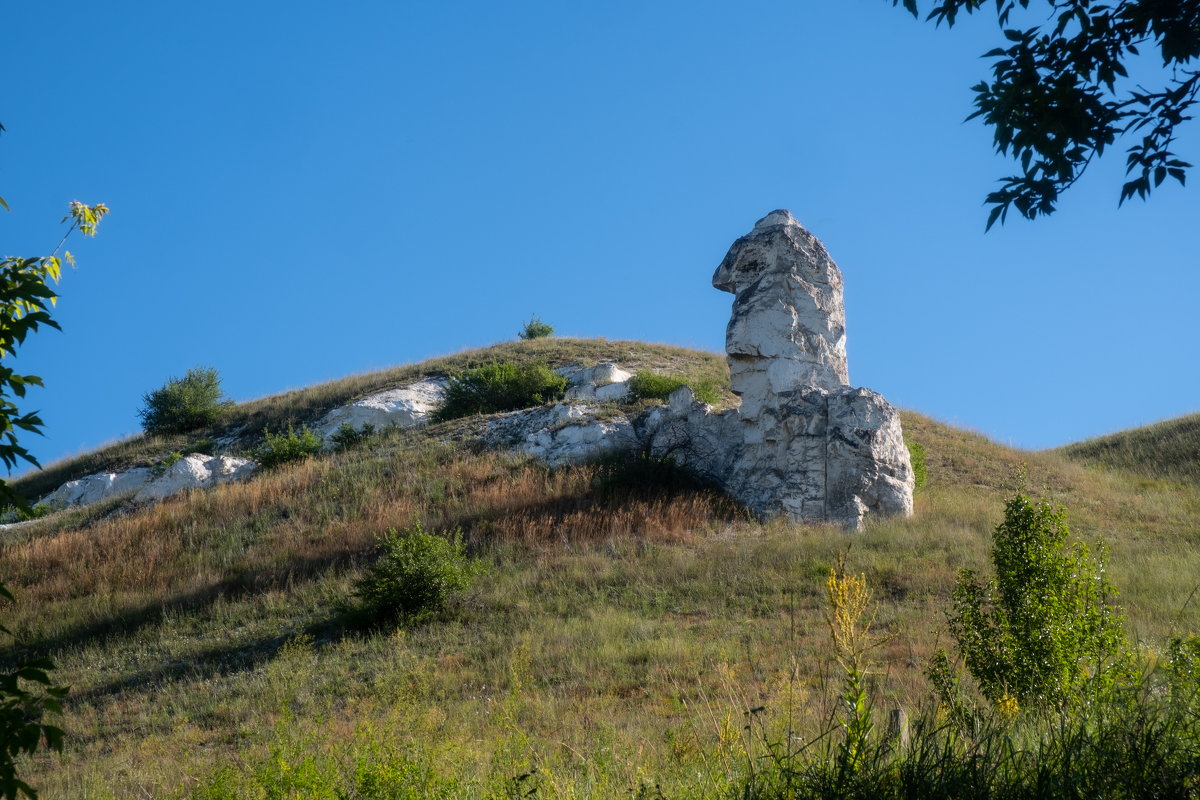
(614, 643)
(1165, 450)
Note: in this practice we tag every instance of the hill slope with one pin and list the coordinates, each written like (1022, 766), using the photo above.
(1168, 449)
(624, 622)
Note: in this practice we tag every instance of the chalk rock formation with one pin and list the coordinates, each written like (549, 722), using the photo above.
(406, 407)
(604, 382)
(565, 433)
(196, 471)
(97, 488)
(803, 443)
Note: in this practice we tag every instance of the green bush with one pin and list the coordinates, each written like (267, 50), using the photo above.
(184, 404)
(1044, 625)
(159, 468)
(647, 385)
(280, 448)
(500, 387)
(535, 329)
(916, 457)
(415, 575)
(346, 436)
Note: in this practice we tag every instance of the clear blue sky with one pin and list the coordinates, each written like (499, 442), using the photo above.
(304, 190)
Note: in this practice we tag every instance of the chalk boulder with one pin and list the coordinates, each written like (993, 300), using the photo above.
(565, 433)
(406, 407)
(97, 488)
(196, 471)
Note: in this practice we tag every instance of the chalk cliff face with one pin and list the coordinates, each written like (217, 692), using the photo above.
(803, 443)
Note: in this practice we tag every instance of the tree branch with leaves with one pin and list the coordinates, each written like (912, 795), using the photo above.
(1061, 92)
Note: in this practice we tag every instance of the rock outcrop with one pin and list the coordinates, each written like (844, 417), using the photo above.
(803, 443)
(565, 433)
(405, 407)
(196, 471)
(97, 488)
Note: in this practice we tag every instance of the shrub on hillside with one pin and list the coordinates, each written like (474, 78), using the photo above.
(415, 575)
(184, 404)
(346, 437)
(535, 329)
(1045, 625)
(280, 448)
(647, 385)
(500, 387)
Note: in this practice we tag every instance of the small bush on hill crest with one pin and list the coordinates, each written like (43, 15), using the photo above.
(184, 404)
(416, 575)
(500, 387)
(280, 448)
(535, 329)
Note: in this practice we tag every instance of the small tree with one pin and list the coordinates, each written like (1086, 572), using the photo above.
(1035, 633)
(535, 329)
(184, 404)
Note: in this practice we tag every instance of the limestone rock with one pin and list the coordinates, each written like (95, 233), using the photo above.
(406, 407)
(565, 433)
(788, 326)
(196, 471)
(604, 382)
(97, 488)
(803, 443)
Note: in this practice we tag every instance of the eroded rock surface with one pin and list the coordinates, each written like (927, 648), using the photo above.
(604, 382)
(97, 488)
(196, 471)
(565, 433)
(803, 443)
(406, 407)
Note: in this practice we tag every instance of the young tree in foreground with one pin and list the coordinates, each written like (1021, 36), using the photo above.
(1061, 91)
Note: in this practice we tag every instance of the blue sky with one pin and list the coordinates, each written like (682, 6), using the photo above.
(303, 190)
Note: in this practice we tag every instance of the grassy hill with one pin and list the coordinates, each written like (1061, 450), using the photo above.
(1168, 449)
(623, 625)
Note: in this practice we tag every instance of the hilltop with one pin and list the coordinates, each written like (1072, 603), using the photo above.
(1169, 449)
(623, 622)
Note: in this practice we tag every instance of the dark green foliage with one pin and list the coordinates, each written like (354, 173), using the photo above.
(647, 385)
(26, 695)
(1060, 92)
(916, 457)
(415, 575)
(1044, 625)
(346, 436)
(500, 387)
(281, 448)
(535, 329)
(184, 404)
